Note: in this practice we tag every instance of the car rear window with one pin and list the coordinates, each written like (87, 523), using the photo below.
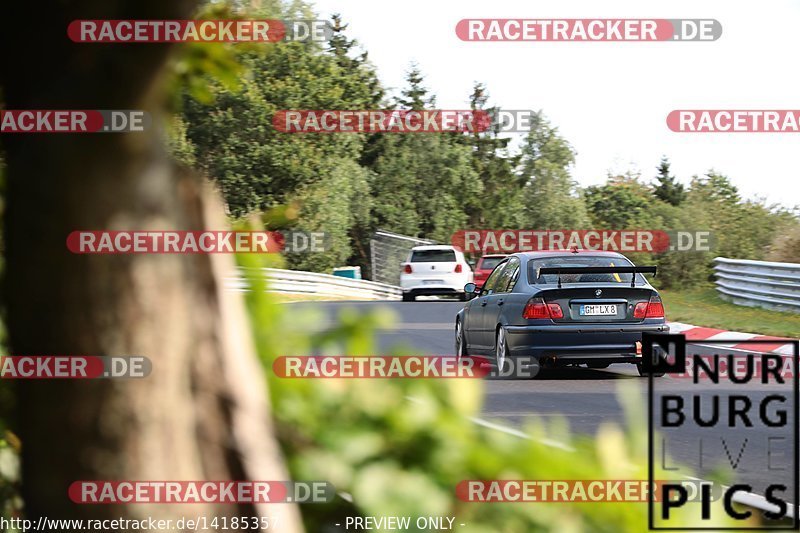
(584, 261)
(433, 256)
(488, 263)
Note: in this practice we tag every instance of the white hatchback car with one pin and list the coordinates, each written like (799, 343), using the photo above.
(435, 270)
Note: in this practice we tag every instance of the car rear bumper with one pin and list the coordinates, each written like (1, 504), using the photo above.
(432, 291)
(447, 284)
(574, 344)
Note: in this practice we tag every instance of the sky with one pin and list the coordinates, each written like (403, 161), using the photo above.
(610, 100)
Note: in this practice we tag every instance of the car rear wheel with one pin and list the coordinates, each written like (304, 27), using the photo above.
(500, 350)
(463, 296)
(408, 297)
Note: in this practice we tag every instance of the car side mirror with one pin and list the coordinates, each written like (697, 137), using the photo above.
(470, 288)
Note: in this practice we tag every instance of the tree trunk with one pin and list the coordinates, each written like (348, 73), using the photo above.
(202, 413)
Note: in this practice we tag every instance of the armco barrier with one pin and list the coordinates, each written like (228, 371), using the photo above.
(312, 283)
(759, 283)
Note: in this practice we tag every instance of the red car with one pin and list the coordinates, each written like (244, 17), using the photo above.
(485, 266)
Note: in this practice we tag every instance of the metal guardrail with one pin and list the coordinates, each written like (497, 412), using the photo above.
(313, 283)
(759, 283)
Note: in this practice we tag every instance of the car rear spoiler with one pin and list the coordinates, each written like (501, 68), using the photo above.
(597, 270)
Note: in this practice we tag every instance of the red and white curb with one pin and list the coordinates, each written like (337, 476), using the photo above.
(696, 334)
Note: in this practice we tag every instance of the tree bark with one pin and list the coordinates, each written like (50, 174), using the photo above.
(202, 413)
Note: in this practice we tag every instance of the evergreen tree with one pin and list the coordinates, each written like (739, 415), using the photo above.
(668, 189)
(501, 204)
(552, 200)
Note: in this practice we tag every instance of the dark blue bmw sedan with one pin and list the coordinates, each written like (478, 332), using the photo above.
(561, 308)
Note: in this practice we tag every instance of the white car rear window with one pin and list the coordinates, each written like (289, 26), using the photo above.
(433, 256)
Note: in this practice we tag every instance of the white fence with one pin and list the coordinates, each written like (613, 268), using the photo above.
(312, 283)
(388, 250)
(759, 283)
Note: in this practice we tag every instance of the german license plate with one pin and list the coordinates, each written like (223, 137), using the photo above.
(433, 281)
(598, 310)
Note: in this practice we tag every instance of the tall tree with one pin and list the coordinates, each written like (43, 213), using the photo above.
(668, 188)
(422, 181)
(742, 229)
(201, 414)
(552, 200)
(258, 167)
(415, 95)
(501, 204)
(623, 202)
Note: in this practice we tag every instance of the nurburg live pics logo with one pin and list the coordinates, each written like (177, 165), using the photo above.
(737, 416)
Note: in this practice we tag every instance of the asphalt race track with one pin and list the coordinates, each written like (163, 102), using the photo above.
(586, 397)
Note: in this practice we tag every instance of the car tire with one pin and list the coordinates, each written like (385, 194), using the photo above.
(408, 297)
(515, 363)
(461, 341)
(463, 296)
(500, 350)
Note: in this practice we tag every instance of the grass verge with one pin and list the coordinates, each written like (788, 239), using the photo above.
(704, 307)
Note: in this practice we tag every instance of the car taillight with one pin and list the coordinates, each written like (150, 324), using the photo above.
(652, 309)
(536, 308)
(407, 269)
(458, 268)
(656, 308)
(555, 311)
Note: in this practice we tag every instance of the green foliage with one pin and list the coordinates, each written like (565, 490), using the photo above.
(668, 188)
(550, 197)
(502, 204)
(743, 229)
(257, 167)
(10, 501)
(622, 202)
(198, 62)
(178, 145)
(785, 246)
(740, 229)
(422, 183)
(415, 95)
(335, 204)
